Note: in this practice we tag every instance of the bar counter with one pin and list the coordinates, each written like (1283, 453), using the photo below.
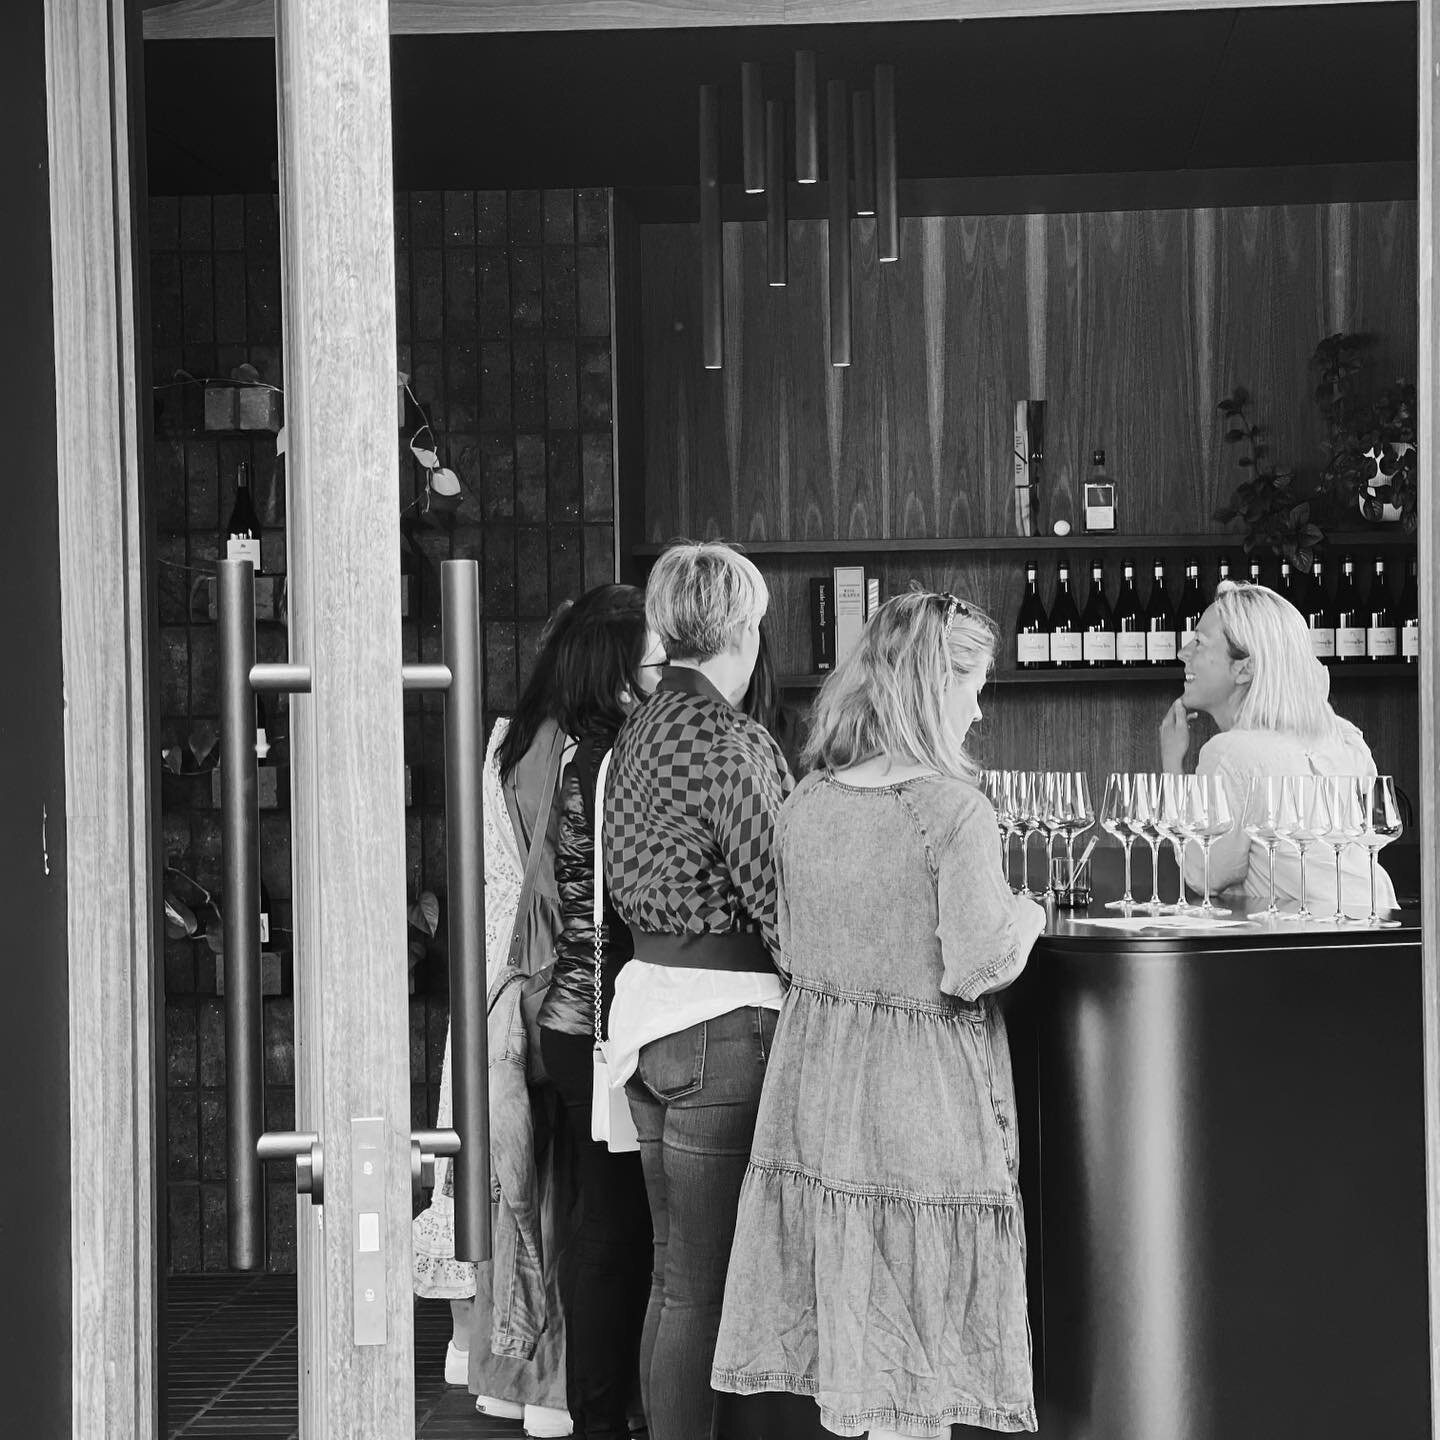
(1222, 1139)
(1223, 1170)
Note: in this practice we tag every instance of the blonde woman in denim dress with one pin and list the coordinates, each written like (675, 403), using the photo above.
(879, 1258)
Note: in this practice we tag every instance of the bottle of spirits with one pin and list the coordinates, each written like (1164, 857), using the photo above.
(1097, 623)
(1319, 615)
(242, 530)
(1066, 651)
(1192, 604)
(1160, 634)
(1349, 618)
(1099, 508)
(1032, 644)
(1382, 633)
(1410, 617)
(1130, 626)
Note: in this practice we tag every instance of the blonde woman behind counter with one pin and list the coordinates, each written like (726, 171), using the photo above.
(1251, 669)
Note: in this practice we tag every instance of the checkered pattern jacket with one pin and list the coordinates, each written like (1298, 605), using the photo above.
(690, 806)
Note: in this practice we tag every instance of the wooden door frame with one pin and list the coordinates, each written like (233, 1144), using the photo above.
(107, 610)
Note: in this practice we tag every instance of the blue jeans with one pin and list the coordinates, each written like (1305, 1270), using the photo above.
(694, 1097)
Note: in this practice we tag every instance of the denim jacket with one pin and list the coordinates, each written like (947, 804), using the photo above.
(522, 1224)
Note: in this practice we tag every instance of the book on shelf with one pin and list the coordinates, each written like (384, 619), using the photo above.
(850, 595)
(872, 595)
(822, 623)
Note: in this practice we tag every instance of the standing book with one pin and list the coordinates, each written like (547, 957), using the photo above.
(822, 623)
(849, 608)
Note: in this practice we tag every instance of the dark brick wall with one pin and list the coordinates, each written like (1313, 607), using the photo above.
(503, 311)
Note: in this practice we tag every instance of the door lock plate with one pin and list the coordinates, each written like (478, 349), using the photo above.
(367, 1181)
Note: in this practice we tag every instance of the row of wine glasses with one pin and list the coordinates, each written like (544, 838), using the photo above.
(1336, 811)
(1051, 803)
(1303, 811)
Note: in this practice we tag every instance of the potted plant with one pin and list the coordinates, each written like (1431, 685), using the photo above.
(1277, 518)
(1370, 444)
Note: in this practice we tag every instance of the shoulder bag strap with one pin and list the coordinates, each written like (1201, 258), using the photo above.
(537, 846)
(597, 912)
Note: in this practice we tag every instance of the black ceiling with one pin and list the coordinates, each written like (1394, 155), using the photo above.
(1303, 85)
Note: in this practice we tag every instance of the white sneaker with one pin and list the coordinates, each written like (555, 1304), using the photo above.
(543, 1423)
(500, 1409)
(457, 1365)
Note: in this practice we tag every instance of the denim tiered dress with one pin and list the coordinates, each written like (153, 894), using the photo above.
(879, 1258)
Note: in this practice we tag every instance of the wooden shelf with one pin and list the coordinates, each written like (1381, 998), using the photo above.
(1141, 674)
(1381, 537)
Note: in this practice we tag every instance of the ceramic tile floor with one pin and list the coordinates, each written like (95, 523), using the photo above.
(231, 1358)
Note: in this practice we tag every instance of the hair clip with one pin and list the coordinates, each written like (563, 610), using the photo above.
(953, 605)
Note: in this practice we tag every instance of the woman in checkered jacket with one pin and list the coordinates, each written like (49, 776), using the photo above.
(694, 788)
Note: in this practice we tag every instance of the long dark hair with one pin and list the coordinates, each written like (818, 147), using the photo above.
(590, 652)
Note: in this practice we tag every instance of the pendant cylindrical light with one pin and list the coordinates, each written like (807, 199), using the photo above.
(807, 119)
(752, 127)
(887, 227)
(777, 238)
(862, 147)
(712, 272)
(837, 176)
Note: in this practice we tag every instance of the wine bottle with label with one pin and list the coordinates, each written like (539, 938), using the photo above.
(1255, 573)
(242, 530)
(1192, 604)
(1382, 633)
(1410, 617)
(1066, 650)
(1287, 582)
(1130, 624)
(1097, 623)
(1160, 634)
(1319, 615)
(1224, 571)
(1032, 643)
(1349, 617)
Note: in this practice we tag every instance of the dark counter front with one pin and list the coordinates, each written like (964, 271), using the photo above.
(1223, 1167)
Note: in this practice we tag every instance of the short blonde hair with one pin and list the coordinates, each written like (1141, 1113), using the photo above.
(887, 696)
(1289, 689)
(700, 596)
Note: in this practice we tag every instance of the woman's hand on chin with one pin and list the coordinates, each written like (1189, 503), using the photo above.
(1175, 738)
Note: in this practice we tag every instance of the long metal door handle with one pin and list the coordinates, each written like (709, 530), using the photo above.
(304, 1147)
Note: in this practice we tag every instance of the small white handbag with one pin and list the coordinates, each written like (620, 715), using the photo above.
(610, 1118)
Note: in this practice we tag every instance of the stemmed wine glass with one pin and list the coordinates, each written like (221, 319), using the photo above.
(1263, 820)
(1379, 825)
(1344, 828)
(999, 791)
(1208, 815)
(1052, 822)
(1028, 801)
(1078, 814)
(1173, 824)
(1145, 822)
(1305, 812)
(1115, 805)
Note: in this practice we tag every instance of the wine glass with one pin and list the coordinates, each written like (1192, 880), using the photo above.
(1115, 805)
(1079, 813)
(1208, 816)
(1173, 823)
(1380, 824)
(1305, 812)
(1145, 822)
(993, 787)
(1264, 822)
(1343, 830)
(1027, 821)
(1052, 822)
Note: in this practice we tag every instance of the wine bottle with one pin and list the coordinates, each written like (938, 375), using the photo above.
(1130, 624)
(262, 735)
(1319, 616)
(1032, 645)
(1410, 617)
(1097, 623)
(1224, 570)
(1287, 582)
(1349, 618)
(1160, 633)
(1066, 651)
(1382, 634)
(1192, 604)
(1255, 573)
(242, 530)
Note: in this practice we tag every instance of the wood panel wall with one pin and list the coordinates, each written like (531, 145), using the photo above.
(1130, 324)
